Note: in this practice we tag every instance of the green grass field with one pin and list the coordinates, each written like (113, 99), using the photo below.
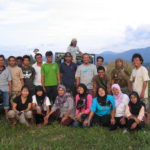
(58, 137)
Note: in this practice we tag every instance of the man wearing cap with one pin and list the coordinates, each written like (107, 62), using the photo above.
(67, 71)
(50, 76)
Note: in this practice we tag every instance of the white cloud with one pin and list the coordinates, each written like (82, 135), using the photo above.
(98, 25)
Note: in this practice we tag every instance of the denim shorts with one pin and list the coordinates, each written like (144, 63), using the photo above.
(5, 99)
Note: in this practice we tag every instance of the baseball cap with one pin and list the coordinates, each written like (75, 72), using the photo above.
(68, 54)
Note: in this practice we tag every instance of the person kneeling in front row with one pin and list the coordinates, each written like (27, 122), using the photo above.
(135, 113)
(40, 105)
(102, 110)
(121, 101)
(63, 108)
(83, 104)
(21, 108)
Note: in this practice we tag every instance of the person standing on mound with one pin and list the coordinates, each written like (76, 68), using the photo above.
(74, 49)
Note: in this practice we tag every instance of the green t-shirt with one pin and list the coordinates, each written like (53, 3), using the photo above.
(50, 73)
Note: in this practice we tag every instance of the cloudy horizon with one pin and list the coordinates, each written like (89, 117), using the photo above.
(98, 25)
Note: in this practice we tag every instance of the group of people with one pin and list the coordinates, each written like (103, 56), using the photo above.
(77, 96)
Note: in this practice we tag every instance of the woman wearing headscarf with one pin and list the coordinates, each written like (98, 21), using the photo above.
(74, 49)
(63, 108)
(121, 101)
(102, 109)
(40, 104)
(135, 112)
(83, 104)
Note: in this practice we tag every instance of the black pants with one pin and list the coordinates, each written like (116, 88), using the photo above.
(71, 89)
(131, 121)
(101, 120)
(39, 118)
(51, 92)
(55, 116)
(117, 124)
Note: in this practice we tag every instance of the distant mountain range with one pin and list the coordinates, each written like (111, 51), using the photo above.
(127, 55)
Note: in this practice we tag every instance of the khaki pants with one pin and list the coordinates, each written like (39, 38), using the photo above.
(22, 118)
(147, 113)
(147, 104)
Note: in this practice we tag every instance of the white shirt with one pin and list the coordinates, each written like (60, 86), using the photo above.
(120, 109)
(73, 51)
(46, 102)
(138, 76)
(37, 79)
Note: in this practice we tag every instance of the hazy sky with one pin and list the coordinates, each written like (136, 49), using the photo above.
(98, 25)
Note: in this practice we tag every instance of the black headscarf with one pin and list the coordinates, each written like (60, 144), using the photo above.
(85, 90)
(40, 99)
(83, 97)
(135, 108)
(102, 100)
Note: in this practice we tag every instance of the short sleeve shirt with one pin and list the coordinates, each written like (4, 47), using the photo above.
(50, 74)
(29, 75)
(138, 76)
(86, 74)
(37, 79)
(46, 102)
(5, 76)
(68, 73)
(17, 75)
(103, 110)
(22, 106)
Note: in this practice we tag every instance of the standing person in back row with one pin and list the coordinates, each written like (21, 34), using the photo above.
(29, 74)
(17, 77)
(74, 49)
(139, 79)
(5, 85)
(100, 61)
(121, 76)
(50, 76)
(37, 67)
(67, 72)
(85, 73)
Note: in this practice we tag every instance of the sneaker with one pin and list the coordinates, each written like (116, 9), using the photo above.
(125, 131)
(143, 130)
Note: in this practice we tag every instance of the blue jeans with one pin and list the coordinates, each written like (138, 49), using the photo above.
(5, 98)
(80, 124)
